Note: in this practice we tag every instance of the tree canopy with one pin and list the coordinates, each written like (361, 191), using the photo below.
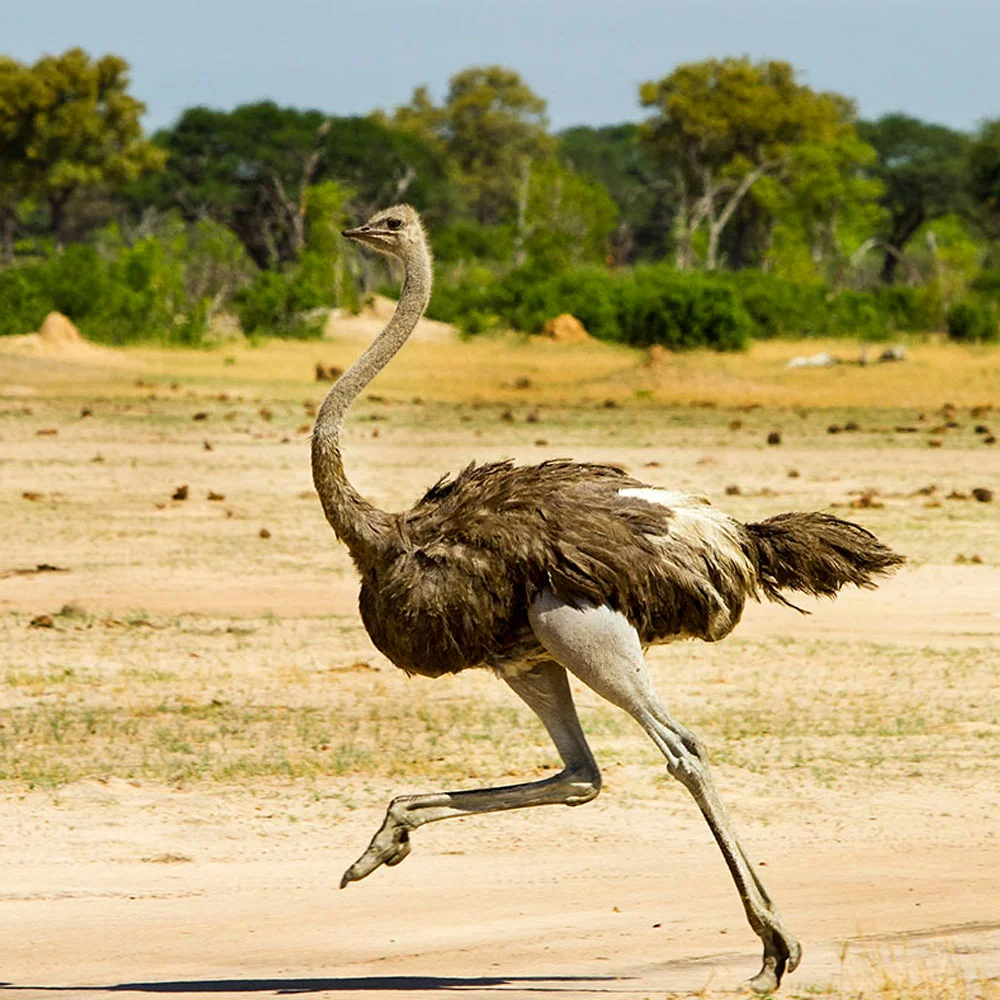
(71, 125)
(250, 169)
(723, 124)
(922, 167)
(490, 126)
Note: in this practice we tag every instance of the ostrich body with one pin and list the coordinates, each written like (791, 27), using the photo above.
(534, 571)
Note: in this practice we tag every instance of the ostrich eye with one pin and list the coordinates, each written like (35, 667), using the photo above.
(393, 223)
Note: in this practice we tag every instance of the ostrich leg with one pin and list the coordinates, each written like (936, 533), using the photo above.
(545, 690)
(602, 649)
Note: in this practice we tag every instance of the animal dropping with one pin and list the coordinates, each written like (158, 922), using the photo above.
(538, 572)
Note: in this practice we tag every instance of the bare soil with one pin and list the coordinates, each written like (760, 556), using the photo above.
(196, 737)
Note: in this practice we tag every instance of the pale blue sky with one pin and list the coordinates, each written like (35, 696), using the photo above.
(936, 60)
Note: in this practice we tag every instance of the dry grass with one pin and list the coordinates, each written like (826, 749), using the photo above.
(127, 686)
(489, 369)
(188, 698)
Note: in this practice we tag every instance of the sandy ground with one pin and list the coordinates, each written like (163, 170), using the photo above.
(886, 865)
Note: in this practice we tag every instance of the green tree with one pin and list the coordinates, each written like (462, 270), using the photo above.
(822, 203)
(84, 131)
(614, 157)
(923, 168)
(723, 124)
(251, 169)
(491, 126)
(19, 97)
(984, 175)
(565, 220)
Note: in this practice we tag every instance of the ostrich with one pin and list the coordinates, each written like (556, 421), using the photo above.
(533, 571)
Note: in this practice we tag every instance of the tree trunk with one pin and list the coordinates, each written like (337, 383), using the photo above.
(57, 216)
(7, 222)
(716, 225)
(521, 229)
(903, 228)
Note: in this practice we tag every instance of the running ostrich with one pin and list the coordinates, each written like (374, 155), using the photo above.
(536, 570)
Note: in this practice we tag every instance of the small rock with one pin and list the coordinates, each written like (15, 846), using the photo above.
(327, 373)
(541, 442)
(982, 494)
(834, 429)
(793, 473)
(86, 412)
(867, 501)
(733, 490)
(897, 353)
(981, 429)
(851, 426)
(265, 413)
(200, 415)
(42, 621)
(507, 416)
(989, 439)
(935, 443)
(522, 382)
(774, 438)
(735, 425)
(181, 493)
(264, 533)
(47, 432)
(206, 446)
(610, 404)
(212, 495)
(533, 418)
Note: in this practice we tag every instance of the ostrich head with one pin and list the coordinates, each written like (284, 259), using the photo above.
(396, 232)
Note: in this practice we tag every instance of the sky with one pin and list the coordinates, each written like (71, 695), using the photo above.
(932, 59)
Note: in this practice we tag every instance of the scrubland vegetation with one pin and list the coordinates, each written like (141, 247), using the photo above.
(744, 206)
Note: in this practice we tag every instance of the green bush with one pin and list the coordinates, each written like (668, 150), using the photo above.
(136, 294)
(280, 302)
(651, 304)
(23, 301)
(987, 284)
(969, 321)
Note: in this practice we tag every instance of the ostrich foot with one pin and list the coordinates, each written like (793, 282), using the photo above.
(388, 847)
(782, 953)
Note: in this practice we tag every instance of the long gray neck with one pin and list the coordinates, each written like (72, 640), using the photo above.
(356, 522)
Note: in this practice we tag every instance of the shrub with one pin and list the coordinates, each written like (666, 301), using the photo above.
(969, 321)
(651, 305)
(280, 302)
(23, 302)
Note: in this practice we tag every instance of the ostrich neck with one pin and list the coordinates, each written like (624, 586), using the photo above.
(354, 520)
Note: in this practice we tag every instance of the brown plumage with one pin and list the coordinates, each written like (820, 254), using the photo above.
(542, 569)
(456, 574)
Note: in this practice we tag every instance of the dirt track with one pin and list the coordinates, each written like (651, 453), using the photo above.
(879, 831)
